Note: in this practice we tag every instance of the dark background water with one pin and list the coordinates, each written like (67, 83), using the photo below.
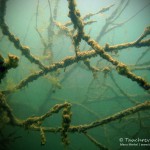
(89, 102)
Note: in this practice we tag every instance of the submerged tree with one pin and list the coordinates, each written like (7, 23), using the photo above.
(88, 56)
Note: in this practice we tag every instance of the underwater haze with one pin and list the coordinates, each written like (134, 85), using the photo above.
(81, 79)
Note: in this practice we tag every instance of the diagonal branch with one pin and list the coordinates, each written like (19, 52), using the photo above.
(5, 30)
(121, 68)
(119, 115)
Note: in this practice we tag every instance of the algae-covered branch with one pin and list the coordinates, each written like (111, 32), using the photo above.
(74, 74)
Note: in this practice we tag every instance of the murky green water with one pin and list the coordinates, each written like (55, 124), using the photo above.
(93, 93)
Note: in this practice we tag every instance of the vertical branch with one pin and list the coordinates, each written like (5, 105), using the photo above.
(56, 10)
(50, 9)
(77, 22)
(43, 137)
(66, 120)
(37, 12)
